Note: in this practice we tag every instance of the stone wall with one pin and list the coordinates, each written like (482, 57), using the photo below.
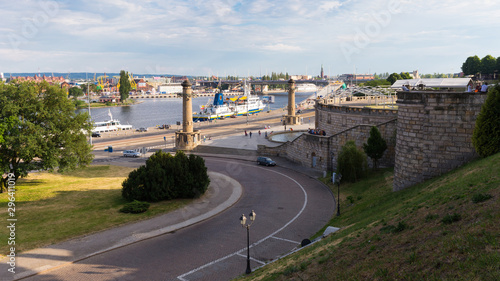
(434, 134)
(334, 118)
(321, 152)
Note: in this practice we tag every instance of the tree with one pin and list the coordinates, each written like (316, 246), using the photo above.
(471, 66)
(75, 92)
(486, 136)
(165, 177)
(92, 88)
(351, 163)
(124, 85)
(375, 147)
(497, 67)
(405, 75)
(393, 78)
(42, 132)
(488, 64)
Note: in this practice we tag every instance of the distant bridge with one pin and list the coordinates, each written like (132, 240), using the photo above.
(214, 84)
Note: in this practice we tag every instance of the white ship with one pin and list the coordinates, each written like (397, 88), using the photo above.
(110, 125)
(306, 87)
(231, 107)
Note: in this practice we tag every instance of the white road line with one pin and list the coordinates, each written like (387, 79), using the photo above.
(181, 277)
(255, 260)
(283, 239)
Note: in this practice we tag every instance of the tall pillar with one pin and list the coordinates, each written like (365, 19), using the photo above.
(187, 138)
(291, 97)
(187, 107)
(291, 118)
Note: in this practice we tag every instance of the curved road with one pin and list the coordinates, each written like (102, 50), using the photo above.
(289, 207)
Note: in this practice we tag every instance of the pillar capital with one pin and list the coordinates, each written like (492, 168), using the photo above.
(186, 83)
(291, 81)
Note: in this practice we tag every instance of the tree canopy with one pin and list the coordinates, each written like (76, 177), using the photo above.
(486, 136)
(393, 78)
(375, 146)
(472, 65)
(488, 64)
(75, 92)
(41, 129)
(125, 86)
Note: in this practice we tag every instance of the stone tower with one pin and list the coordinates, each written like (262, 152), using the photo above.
(291, 118)
(187, 138)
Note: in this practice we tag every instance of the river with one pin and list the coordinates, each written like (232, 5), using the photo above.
(153, 112)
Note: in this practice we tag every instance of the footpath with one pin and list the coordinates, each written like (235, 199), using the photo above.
(218, 198)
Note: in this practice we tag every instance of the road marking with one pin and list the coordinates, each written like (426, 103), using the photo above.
(272, 235)
(283, 239)
(255, 260)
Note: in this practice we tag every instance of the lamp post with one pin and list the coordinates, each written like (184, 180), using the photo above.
(336, 179)
(243, 221)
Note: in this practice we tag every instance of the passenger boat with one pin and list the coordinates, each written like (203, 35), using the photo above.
(230, 107)
(110, 125)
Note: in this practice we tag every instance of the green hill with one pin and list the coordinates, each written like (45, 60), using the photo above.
(447, 228)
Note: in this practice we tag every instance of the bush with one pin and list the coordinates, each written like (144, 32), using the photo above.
(481, 197)
(165, 177)
(351, 163)
(449, 219)
(135, 207)
(486, 136)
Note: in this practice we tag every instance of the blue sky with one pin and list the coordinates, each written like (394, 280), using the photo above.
(238, 37)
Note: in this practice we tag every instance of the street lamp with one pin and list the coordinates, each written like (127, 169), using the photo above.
(336, 179)
(243, 221)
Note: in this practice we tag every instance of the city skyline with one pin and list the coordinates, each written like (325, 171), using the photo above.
(245, 38)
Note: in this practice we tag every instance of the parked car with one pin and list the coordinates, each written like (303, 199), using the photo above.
(131, 153)
(142, 129)
(266, 161)
(164, 126)
(96, 134)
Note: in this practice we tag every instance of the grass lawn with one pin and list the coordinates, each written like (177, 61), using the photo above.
(52, 207)
(444, 229)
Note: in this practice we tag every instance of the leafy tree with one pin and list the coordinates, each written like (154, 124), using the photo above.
(488, 64)
(124, 85)
(165, 177)
(471, 66)
(41, 129)
(394, 77)
(405, 75)
(375, 147)
(75, 92)
(92, 87)
(486, 136)
(497, 67)
(351, 163)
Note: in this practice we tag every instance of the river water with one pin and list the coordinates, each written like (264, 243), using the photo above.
(153, 112)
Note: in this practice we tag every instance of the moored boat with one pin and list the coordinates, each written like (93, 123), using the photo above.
(110, 125)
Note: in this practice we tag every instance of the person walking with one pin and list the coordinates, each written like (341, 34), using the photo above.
(250, 134)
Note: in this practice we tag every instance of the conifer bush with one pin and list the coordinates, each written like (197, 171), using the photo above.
(166, 177)
(486, 136)
(352, 163)
(375, 146)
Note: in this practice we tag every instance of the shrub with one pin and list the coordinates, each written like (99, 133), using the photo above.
(351, 163)
(486, 136)
(480, 197)
(449, 219)
(165, 177)
(135, 207)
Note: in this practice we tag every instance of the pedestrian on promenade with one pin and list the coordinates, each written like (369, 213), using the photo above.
(246, 133)
(250, 134)
(259, 133)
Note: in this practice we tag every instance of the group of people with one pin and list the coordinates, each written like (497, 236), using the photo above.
(479, 88)
(316, 132)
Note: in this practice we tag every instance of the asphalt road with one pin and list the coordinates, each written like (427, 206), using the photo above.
(289, 207)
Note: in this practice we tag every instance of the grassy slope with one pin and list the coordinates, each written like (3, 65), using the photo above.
(389, 235)
(54, 207)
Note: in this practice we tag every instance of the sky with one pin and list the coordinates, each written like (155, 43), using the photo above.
(246, 38)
